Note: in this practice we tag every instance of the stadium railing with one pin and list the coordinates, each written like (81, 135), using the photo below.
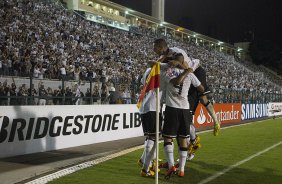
(63, 98)
(245, 96)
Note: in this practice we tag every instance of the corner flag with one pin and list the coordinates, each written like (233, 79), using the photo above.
(152, 82)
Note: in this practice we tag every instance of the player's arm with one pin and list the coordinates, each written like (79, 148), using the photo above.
(197, 84)
(179, 79)
(163, 66)
(151, 63)
(162, 59)
(179, 62)
(200, 89)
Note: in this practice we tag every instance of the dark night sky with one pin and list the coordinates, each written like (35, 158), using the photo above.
(226, 20)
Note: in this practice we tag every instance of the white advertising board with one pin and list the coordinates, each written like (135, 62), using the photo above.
(254, 111)
(275, 109)
(31, 129)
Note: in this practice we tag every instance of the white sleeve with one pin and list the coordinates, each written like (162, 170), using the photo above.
(194, 80)
(143, 80)
(145, 75)
(195, 64)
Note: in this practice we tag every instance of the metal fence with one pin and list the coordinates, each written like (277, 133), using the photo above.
(245, 96)
(63, 92)
(29, 91)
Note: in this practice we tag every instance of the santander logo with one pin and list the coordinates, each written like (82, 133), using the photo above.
(201, 117)
(225, 113)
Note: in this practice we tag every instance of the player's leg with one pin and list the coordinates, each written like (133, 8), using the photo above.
(142, 158)
(192, 133)
(193, 146)
(169, 132)
(154, 162)
(193, 98)
(150, 149)
(194, 139)
(183, 133)
(208, 105)
(151, 145)
(144, 121)
(194, 142)
(201, 75)
(190, 156)
(182, 152)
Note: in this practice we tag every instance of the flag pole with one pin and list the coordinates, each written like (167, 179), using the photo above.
(157, 136)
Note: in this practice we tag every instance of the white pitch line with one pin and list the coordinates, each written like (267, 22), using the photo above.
(69, 170)
(238, 125)
(237, 164)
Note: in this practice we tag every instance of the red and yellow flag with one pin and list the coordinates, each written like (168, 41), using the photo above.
(152, 82)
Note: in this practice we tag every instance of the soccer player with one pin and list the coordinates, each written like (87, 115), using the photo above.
(148, 119)
(177, 119)
(178, 58)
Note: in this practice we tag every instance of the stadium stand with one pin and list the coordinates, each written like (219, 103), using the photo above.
(53, 44)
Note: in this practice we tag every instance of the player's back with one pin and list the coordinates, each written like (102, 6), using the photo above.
(176, 95)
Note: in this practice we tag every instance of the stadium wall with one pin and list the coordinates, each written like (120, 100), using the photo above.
(31, 129)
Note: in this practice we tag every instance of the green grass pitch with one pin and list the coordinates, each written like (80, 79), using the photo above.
(217, 153)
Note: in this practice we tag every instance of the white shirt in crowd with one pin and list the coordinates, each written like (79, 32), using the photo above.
(41, 74)
(36, 72)
(63, 71)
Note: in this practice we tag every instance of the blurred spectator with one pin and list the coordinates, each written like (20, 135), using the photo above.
(104, 92)
(115, 96)
(4, 91)
(49, 96)
(13, 95)
(78, 95)
(88, 96)
(42, 94)
(96, 94)
(31, 93)
(23, 93)
(68, 96)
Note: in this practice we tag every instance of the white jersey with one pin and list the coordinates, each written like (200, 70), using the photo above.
(174, 50)
(176, 96)
(149, 101)
(192, 63)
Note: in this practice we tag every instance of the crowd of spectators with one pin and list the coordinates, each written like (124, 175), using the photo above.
(43, 39)
(73, 94)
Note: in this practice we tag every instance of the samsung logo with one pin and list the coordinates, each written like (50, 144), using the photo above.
(254, 111)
